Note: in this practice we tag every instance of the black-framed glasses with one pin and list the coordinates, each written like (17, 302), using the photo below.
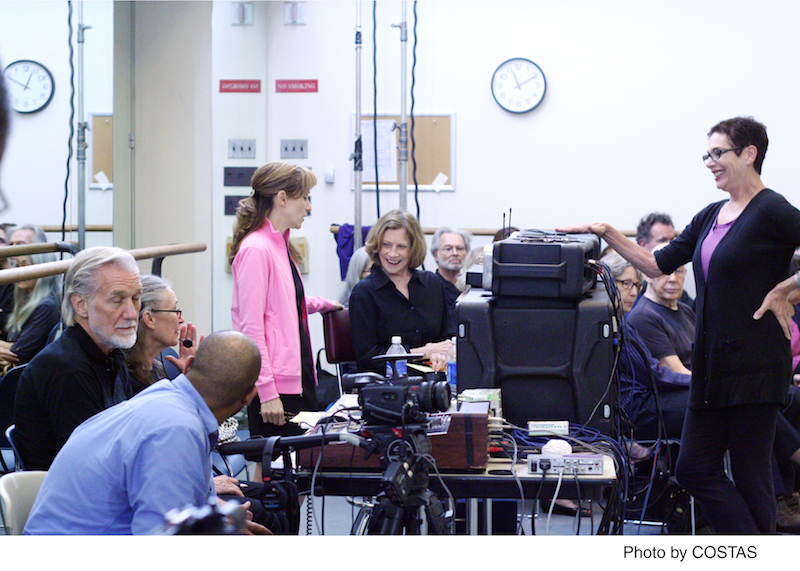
(717, 153)
(178, 312)
(628, 284)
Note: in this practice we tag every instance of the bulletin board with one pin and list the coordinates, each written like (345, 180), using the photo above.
(101, 134)
(432, 148)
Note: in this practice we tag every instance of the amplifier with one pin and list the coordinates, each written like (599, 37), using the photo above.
(459, 442)
(568, 464)
(540, 264)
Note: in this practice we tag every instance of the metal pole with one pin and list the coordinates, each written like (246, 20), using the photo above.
(402, 154)
(358, 164)
(82, 126)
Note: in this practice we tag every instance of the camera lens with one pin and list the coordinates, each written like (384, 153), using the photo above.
(434, 396)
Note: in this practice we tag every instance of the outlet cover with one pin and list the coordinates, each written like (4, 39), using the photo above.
(231, 204)
(241, 148)
(294, 148)
(238, 176)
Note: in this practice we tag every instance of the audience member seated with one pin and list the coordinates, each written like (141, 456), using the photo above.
(653, 230)
(449, 247)
(35, 313)
(666, 324)
(398, 299)
(83, 371)
(124, 469)
(26, 234)
(357, 269)
(161, 326)
(638, 397)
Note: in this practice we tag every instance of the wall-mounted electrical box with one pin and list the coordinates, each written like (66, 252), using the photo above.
(294, 148)
(241, 148)
(238, 176)
(231, 204)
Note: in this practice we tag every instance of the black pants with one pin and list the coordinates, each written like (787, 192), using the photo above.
(748, 505)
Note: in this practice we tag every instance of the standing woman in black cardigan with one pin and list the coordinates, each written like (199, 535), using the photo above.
(740, 250)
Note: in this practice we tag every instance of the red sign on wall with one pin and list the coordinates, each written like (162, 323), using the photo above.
(240, 86)
(296, 86)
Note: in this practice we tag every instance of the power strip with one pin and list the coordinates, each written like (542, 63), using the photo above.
(582, 464)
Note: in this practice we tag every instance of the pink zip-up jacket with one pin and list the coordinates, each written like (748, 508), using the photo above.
(265, 309)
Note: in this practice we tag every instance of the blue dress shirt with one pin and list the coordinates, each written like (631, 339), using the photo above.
(123, 469)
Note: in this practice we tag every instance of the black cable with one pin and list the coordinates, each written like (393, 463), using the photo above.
(71, 123)
(411, 114)
(578, 493)
(375, 103)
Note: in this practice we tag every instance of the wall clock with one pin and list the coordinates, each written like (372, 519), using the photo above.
(29, 84)
(518, 85)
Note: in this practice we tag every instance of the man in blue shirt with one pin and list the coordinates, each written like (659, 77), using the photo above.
(122, 470)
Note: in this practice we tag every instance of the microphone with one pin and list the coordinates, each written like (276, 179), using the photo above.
(187, 343)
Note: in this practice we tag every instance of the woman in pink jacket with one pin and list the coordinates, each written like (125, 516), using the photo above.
(269, 304)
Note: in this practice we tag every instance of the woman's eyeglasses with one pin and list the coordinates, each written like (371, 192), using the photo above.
(717, 153)
(628, 284)
(178, 312)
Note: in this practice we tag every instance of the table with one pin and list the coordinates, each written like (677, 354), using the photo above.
(494, 482)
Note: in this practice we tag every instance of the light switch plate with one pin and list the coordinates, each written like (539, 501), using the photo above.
(294, 148)
(241, 148)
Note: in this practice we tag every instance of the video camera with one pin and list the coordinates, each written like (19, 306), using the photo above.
(399, 399)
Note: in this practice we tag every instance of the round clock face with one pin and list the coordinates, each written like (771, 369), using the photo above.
(518, 85)
(29, 84)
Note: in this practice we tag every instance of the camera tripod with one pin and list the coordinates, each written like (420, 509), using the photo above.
(405, 494)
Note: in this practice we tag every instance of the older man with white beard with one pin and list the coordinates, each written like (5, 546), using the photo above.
(449, 247)
(82, 372)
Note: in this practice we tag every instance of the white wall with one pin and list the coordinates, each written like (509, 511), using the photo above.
(633, 87)
(34, 167)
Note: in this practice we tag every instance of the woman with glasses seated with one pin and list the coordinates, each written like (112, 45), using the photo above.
(740, 249)
(35, 313)
(161, 326)
(665, 323)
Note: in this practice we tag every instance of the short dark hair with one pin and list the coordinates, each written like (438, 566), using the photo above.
(646, 225)
(743, 132)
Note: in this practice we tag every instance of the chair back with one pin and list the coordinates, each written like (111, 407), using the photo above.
(19, 466)
(171, 370)
(18, 491)
(8, 392)
(338, 341)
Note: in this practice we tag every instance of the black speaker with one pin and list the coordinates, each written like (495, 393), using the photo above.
(552, 360)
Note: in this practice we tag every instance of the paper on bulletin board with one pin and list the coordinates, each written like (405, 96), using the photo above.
(387, 151)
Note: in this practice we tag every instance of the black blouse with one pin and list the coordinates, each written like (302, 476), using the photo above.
(378, 311)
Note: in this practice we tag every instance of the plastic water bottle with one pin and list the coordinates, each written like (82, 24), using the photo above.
(451, 369)
(396, 348)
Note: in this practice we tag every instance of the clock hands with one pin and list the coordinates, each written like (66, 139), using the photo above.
(527, 80)
(20, 83)
(515, 78)
(29, 80)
